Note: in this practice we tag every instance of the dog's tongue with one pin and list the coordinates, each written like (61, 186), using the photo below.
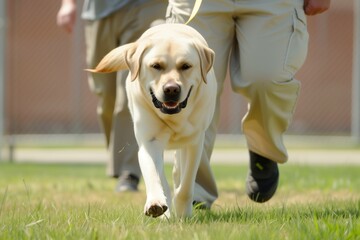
(171, 104)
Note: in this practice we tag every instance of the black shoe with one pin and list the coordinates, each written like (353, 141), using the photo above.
(200, 205)
(127, 183)
(263, 178)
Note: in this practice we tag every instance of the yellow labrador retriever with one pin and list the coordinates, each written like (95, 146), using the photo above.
(171, 90)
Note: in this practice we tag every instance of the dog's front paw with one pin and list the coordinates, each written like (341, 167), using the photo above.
(155, 209)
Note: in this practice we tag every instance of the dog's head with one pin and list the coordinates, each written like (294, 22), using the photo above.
(169, 60)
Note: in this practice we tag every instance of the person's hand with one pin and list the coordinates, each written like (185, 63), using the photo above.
(313, 7)
(66, 16)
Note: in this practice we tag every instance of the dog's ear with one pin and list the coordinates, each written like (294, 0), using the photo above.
(134, 59)
(115, 60)
(206, 56)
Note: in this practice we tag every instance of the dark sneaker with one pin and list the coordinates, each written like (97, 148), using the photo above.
(263, 178)
(200, 205)
(127, 183)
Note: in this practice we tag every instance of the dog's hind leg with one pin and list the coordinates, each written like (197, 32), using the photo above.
(176, 170)
(188, 161)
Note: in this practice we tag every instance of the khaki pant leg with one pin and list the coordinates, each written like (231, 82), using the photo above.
(271, 46)
(101, 39)
(219, 35)
(128, 25)
(218, 31)
(103, 85)
(123, 147)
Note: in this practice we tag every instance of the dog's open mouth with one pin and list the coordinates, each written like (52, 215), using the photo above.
(169, 107)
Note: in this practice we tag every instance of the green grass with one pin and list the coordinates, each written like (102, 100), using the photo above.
(63, 201)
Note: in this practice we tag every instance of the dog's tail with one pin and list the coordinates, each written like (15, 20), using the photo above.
(115, 60)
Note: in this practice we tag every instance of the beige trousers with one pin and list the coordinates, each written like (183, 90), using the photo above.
(264, 43)
(101, 36)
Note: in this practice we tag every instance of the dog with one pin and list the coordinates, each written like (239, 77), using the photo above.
(171, 90)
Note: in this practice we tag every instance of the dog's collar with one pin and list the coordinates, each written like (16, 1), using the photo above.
(165, 108)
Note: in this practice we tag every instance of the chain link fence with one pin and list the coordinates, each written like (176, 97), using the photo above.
(46, 90)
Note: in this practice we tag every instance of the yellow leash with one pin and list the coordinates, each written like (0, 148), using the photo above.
(195, 10)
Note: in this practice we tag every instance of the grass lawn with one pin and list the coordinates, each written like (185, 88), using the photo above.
(64, 201)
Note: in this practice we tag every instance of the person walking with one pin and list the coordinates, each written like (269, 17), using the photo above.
(109, 24)
(263, 44)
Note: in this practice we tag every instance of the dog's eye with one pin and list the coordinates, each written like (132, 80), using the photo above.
(156, 66)
(185, 66)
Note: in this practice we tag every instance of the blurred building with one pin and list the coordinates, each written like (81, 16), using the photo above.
(46, 89)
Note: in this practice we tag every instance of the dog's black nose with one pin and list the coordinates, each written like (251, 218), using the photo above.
(172, 91)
